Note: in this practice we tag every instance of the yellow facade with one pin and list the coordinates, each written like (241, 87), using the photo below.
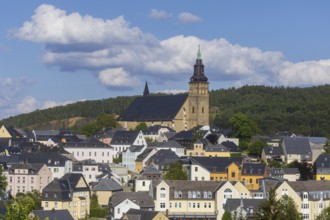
(233, 172)
(103, 197)
(322, 176)
(197, 151)
(217, 154)
(252, 181)
(4, 132)
(138, 166)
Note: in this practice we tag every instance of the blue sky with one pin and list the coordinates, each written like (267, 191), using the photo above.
(58, 52)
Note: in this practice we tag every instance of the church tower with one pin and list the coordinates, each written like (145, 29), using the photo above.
(198, 95)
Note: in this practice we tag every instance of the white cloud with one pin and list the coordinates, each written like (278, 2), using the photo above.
(186, 17)
(172, 91)
(28, 104)
(159, 14)
(117, 78)
(51, 104)
(122, 54)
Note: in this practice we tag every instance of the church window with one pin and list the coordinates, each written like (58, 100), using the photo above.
(203, 110)
(193, 110)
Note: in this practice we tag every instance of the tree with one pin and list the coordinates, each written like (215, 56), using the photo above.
(106, 120)
(175, 171)
(288, 209)
(3, 181)
(255, 148)
(325, 214)
(305, 170)
(141, 126)
(243, 126)
(269, 209)
(226, 216)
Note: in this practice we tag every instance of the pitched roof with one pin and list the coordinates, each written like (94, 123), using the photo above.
(232, 147)
(310, 185)
(246, 204)
(32, 168)
(153, 130)
(323, 161)
(153, 108)
(144, 154)
(124, 137)
(253, 169)
(297, 145)
(171, 144)
(273, 151)
(142, 199)
(107, 185)
(163, 157)
(216, 164)
(48, 158)
(53, 214)
(137, 214)
(216, 148)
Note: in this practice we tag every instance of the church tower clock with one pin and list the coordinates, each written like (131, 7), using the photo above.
(198, 95)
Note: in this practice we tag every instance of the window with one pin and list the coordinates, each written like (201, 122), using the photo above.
(176, 194)
(55, 205)
(162, 205)
(205, 195)
(232, 174)
(198, 194)
(118, 211)
(143, 183)
(193, 110)
(209, 194)
(46, 204)
(189, 195)
(227, 194)
(179, 204)
(194, 194)
(196, 169)
(180, 194)
(203, 110)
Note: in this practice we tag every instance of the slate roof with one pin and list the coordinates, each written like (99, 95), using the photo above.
(183, 135)
(171, 144)
(142, 199)
(297, 145)
(32, 168)
(273, 151)
(53, 214)
(144, 154)
(137, 214)
(153, 130)
(232, 147)
(318, 140)
(246, 204)
(312, 187)
(87, 143)
(323, 161)
(62, 189)
(154, 108)
(163, 158)
(124, 137)
(135, 148)
(216, 148)
(216, 164)
(48, 158)
(257, 169)
(13, 132)
(290, 170)
(107, 185)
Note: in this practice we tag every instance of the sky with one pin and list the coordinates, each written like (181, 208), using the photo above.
(59, 52)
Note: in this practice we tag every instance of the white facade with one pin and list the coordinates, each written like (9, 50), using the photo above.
(120, 147)
(222, 138)
(99, 154)
(90, 172)
(128, 158)
(199, 173)
(122, 208)
(59, 171)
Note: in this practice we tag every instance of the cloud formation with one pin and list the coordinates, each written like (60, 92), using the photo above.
(186, 17)
(159, 14)
(123, 55)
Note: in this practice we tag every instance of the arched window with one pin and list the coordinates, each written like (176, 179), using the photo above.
(198, 194)
(209, 194)
(180, 194)
(227, 194)
(189, 194)
(194, 194)
(205, 195)
(203, 110)
(176, 194)
(193, 110)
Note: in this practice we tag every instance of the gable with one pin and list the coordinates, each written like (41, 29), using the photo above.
(81, 183)
(153, 108)
(4, 132)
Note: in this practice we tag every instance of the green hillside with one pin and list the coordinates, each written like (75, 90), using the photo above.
(299, 110)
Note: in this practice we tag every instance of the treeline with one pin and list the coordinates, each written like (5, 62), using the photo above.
(299, 110)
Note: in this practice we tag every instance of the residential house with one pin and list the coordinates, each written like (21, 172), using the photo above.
(149, 174)
(232, 147)
(289, 174)
(271, 153)
(222, 138)
(105, 188)
(251, 173)
(70, 192)
(54, 214)
(130, 155)
(23, 178)
(172, 145)
(121, 202)
(217, 151)
(322, 167)
(8, 134)
(46, 137)
(90, 169)
(134, 214)
(244, 208)
(163, 158)
(125, 139)
(141, 159)
(197, 150)
(297, 148)
(58, 164)
(154, 133)
(91, 149)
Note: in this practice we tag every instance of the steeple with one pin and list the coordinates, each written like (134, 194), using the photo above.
(198, 69)
(146, 90)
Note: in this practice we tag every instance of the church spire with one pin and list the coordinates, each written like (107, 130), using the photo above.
(146, 90)
(198, 69)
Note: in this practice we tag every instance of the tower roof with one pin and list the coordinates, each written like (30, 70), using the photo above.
(146, 90)
(198, 69)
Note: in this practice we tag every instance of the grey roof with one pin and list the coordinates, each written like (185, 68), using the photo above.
(323, 161)
(32, 168)
(144, 154)
(46, 132)
(170, 144)
(153, 108)
(137, 214)
(53, 214)
(48, 158)
(245, 204)
(163, 158)
(318, 140)
(124, 137)
(273, 151)
(291, 171)
(135, 148)
(107, 185)
(216, 148)
(310, 185)
(232, 147)
(151, 169)
(142, 199)
(257, 169)
(297, 145)
(86, 143)
(216, 164)
(153, 130)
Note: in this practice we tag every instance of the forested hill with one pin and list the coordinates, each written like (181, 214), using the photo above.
(299, 110)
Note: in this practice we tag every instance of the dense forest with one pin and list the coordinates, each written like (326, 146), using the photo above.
(298, 110)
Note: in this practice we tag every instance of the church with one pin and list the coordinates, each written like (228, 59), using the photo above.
(179, 112)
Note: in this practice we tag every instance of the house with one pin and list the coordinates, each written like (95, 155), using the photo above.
(245, 208)
(45, 136)
(297, 148)
(23, 178)
(134, 214)
(216, 151)
(90, 169)
(179, 112)
(57, 163)
(121, 202)
(172, 145)
(125, 139)
(149, 174)
(311, 196)
(51, 214)
(163, 158)
(251, 173)
(130, 155)
(231, 146)
(70, 192)
(105, 188)
(289, 174)
(90, 149)
(197, 151)
(8, 135)
(154, 133)
(271, 153)
(141, 159)
(322, 167)
(223, 138)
